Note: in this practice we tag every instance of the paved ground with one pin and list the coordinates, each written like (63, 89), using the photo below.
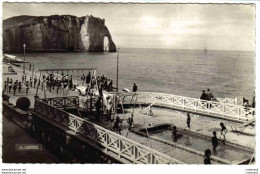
(202, 125)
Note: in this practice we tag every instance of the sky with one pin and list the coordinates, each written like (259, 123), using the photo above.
(168, 26)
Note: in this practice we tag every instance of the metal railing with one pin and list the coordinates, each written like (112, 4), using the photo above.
(221, 109)
(123, 148)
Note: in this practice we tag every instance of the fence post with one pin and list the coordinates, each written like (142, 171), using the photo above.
(224, 110)
(119, 149)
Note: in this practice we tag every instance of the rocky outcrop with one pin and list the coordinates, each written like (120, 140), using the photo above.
(57, 33)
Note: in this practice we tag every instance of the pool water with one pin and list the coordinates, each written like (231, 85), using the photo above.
(228, 152)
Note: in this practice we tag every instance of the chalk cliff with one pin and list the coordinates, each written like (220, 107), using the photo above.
(56, 33)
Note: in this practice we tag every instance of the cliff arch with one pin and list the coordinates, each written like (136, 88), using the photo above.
(111, 45)
(57, 33)
(106, 44)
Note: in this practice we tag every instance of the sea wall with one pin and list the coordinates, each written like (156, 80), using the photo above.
(58, 33)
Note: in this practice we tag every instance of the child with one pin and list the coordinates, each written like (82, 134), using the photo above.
(117, 125)
(130, 122)
(214, 141)
(19, 87)
(188, 120)
(5, 86)
(27, 87)
(223, 132)
(207, 157)
(174, 133)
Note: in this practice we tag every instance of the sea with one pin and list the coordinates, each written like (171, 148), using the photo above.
(180, 72)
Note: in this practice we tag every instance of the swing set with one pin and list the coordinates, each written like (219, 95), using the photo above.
(120, 99)
(73, 72)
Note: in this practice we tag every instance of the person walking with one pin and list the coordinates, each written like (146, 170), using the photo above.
(22, 78)
(214, 141)
(188, 120)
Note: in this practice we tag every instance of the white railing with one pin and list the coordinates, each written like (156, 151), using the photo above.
(122, 147)
(194, 105)
(233, 101)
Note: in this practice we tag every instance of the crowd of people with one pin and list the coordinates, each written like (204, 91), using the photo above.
(52, 83)
(11, 86)
(56, 83)
(103, 82)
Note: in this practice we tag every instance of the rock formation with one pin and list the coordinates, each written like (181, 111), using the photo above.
(57, 33)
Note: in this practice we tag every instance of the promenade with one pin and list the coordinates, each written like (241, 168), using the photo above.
(199, 124)
(32, 90)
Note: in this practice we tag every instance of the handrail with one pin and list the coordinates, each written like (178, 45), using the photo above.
(199, 106)
(194, 105)
(110, 141)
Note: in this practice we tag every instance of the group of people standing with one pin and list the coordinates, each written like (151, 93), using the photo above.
(102, 82)
(65, 82)
(11, 86)
(105, 83)
(207, 95)
(215, 142)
